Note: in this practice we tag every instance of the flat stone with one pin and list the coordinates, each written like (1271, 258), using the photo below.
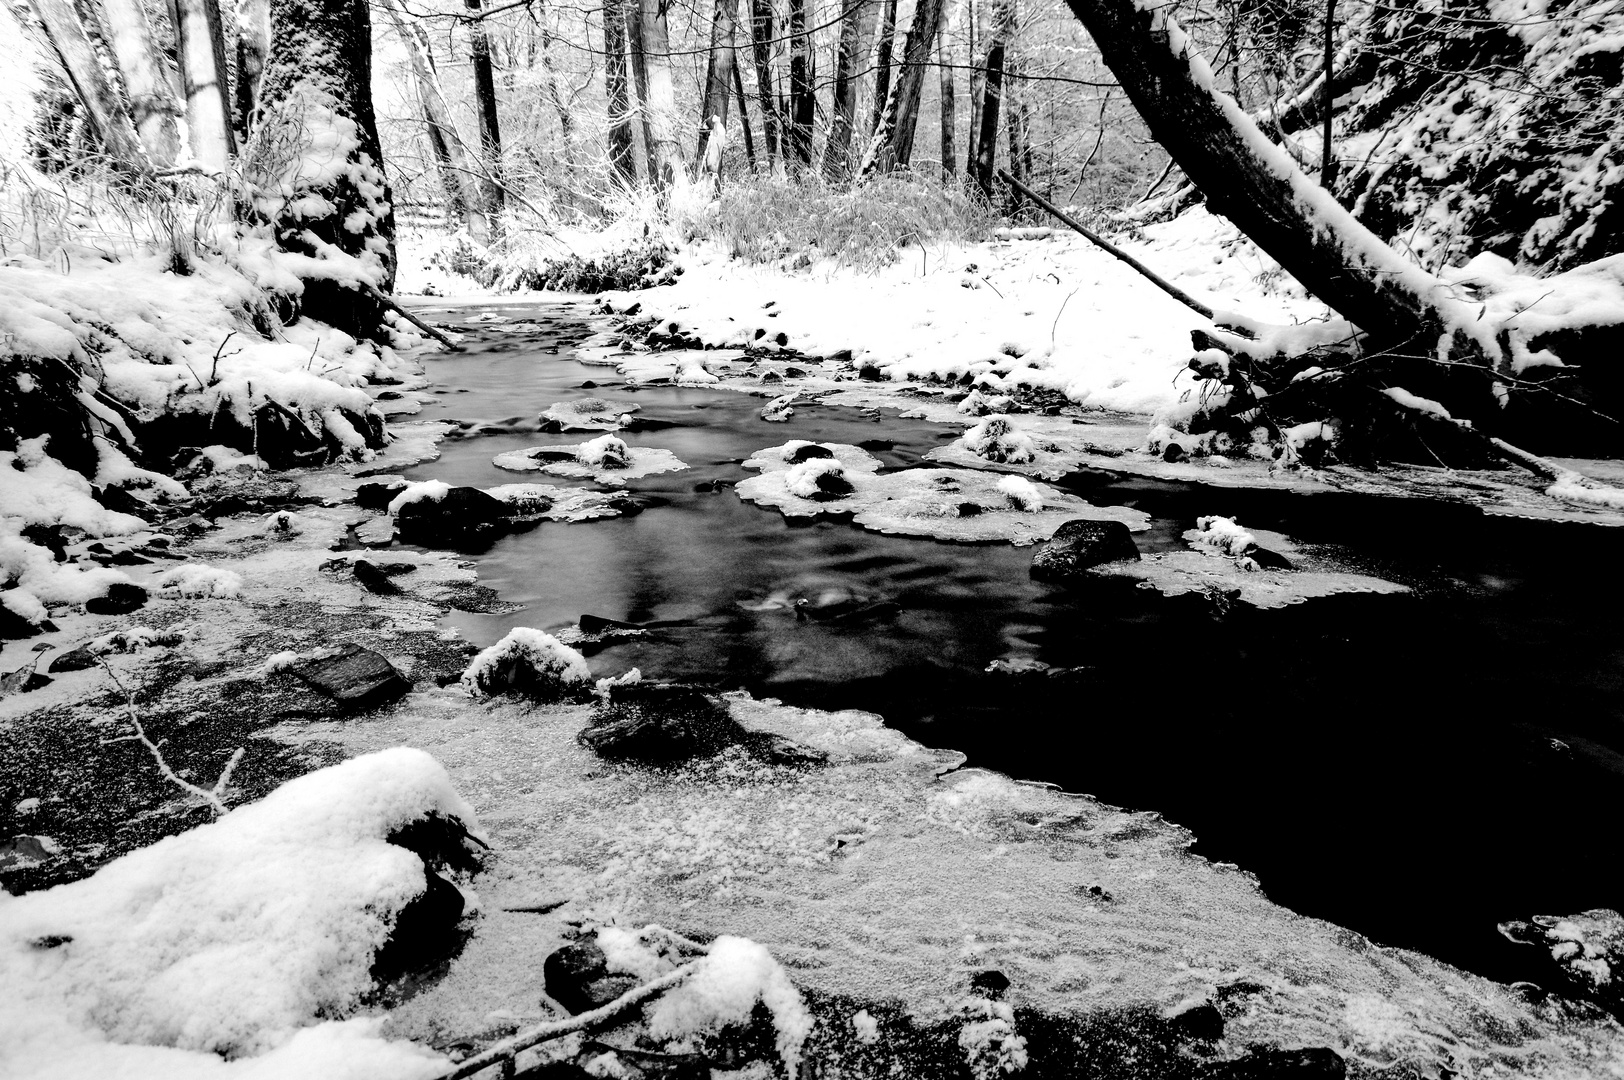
(355, 677)
(121, 599)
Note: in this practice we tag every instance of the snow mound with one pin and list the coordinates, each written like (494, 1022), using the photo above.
(243, 937)
(432, 490)
(724, 988)
(200, 582)
(997, 439)
(1221, 536)
(588, 414)
(526, 659)
(606, 459)
(966, 505)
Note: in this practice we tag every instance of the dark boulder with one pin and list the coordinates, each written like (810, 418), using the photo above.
(577, 977)
(808, 452)
(669, 723)
(121, 598)
(377, 496)
(1079, 544)
(13, 626)
(355, 677)
(425, 930)
(374, 579)
(464, 513)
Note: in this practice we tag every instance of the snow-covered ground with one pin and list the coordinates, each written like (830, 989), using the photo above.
(1055, 313)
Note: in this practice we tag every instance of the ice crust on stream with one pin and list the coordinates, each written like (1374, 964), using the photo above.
(892, 874)
(605, 460)
(945, 504)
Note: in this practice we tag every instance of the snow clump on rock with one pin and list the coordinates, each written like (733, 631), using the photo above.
(527, 661)
(997, 439)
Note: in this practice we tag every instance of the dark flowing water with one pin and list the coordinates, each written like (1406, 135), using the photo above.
(1417, 767)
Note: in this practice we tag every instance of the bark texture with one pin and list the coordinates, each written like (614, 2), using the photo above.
(315, 167)
(490, 123)
(618, 91)
(718, 71)
(200, 54)
(154, 105)
(104, 110)
(761, 34)
(665, 152)
(892, 145)
(802, 102)
(856, 21)
(253, 43)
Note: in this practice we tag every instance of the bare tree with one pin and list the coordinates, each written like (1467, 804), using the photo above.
(490, 124)
(944, 59)
(253, 41)
(666, 154)
(882, 63)
(892, 145)
(200, 53)
(718, 72)
(618, 92)
(856, 21)
(103, 108)
(761, 34)
(154, 105)
(985, 147)
(450, 149)
(802, 102)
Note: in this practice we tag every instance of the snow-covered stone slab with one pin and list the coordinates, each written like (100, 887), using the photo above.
(803, 479)
(605, 459)
(1175, 573)
(545, 502)
(589, 414)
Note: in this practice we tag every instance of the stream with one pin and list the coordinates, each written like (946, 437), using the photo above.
(1415, 767)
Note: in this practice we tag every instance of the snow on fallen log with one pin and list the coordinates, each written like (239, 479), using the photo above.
(251, 937)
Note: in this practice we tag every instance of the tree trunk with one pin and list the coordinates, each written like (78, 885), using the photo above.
(978, 84)
(549, 80)
(154, 105)
(1015, 124)
(490, 124)
(992, 91)
(761, 34)
(856, 17)
(633, 10)
(106, 113)
(718, 72)
(450, 149)
(315, 170)
(944, 57)
(200, 53)
(614, 79)
(802, 103)
(892, 145)
(253, 41)
(665, 153)
(744, 118)
(882, 65)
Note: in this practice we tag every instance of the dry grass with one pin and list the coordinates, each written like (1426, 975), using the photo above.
(764, 220)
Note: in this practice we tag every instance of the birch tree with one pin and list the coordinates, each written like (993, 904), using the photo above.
(200, 56)
(104, 110)
(154, 106)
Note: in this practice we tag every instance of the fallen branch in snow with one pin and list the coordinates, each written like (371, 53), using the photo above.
(393, 305)
(508, 1049)
(213, 796)
(1111, 249)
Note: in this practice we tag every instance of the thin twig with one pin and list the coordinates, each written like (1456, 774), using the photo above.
(507, 1049)
(213, 798)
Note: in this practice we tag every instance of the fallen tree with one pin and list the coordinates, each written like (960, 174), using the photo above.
(1425, 366)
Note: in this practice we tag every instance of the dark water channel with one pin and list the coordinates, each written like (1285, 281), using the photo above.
(1417, 767)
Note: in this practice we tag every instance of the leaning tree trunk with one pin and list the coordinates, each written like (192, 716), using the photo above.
(802, 100)
(450, 149)
(892, 145)
(106, 112)
(490, 124)
(744, 118)
(855, 22)
(1409, 319)
(664, 152)
(718, 72)
(618, 92)
(882, 65)
(315, 170)
(761, 37)
(200, 53)
(154, 105)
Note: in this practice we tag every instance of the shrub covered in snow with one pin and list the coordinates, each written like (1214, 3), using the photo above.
(1022, 493)
(527, 661)
(604, 452)
(997, 439)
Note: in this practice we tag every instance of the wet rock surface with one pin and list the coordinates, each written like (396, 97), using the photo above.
(1078, 545)
(355, 677)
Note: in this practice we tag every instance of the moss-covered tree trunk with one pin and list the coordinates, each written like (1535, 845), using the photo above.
(315, 168)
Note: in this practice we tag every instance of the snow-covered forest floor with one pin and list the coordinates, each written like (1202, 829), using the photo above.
(882, 876)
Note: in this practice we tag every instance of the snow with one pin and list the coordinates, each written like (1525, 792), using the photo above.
(197, 580)
(431, 490)
(251, 937)
(1419, 404)
(865, 1027)
(998, 440)
(1221, 536)
(726, 984)
(606, 460)
(540, 652)
(968, 505)
(1069, 318)
(991, 1047)
(589, 414)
